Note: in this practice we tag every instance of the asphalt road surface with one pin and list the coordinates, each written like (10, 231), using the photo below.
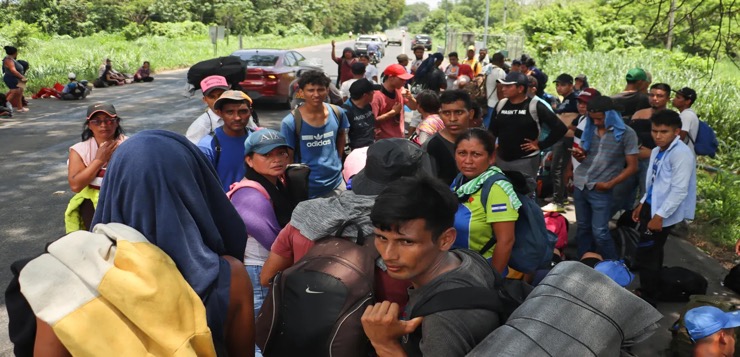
(33, 174)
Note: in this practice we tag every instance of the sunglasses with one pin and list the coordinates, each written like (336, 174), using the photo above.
(99, 122)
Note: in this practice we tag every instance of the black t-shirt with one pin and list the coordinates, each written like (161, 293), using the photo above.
(434, 80)
(643, 129)
(631, 102)
(569, 104)
(442, 153)
(513, 124)
(361, 125)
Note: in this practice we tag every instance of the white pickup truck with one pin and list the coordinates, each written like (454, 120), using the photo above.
(395, 36)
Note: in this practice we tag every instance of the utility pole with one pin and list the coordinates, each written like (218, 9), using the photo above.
(671, 20)
(504, 20)
(485, 25)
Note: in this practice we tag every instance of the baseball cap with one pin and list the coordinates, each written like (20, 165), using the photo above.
(587, 94)
(71, 75)
(387, 161)
(396, 70)
(616, 270)
(263, 141)
(360, 87)
(601, 104)
(471, 48)
(517, 78)
(582, 77)
(208, 84)
(564, 78)
(106, 108)
(235, 95)
(704, 321)
(687, 93)
(636, 74)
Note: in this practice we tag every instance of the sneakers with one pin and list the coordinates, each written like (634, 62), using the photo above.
(553, 207)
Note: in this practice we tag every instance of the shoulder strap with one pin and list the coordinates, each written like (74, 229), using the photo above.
(236, 186)
(468, 298)
(533, 112)
(216, 149)
(337, 115)
(500, 104)
(485, 191)
(297, 123)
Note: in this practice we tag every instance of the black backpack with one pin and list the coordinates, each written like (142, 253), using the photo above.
(678, 284)
(233, 68)
(504, 298)
(732, 280)
(314, 307)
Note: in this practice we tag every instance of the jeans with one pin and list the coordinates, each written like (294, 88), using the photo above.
(649, 256)
(560, 159)
(260, 294)
(592, 216)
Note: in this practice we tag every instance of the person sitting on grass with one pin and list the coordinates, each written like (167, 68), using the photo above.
(143, 74)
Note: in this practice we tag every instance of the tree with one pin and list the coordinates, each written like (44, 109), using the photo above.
(414, 13)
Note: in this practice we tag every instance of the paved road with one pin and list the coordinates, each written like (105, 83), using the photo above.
(33, 175)
(33, 187)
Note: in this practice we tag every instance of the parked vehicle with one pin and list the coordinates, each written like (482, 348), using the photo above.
(395, 36)
(425, 40)
(364, 40)
(270, 72)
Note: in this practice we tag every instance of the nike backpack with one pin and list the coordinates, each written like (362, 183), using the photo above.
(314, 307)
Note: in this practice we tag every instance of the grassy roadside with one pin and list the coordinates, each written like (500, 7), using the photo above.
(51, 60)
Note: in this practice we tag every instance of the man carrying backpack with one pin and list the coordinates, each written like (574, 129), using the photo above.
(684, 99)
(225, 149)
(414, 232)
(516, 124)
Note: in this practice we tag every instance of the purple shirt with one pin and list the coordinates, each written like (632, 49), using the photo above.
(258, 215)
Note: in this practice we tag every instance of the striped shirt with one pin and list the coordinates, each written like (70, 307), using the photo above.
(606, 158)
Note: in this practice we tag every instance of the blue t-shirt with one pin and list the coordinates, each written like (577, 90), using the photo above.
(653, 172)
(230, 167)
(318, 150)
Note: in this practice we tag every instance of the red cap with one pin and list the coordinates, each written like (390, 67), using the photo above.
(396, 70)
(588, 94)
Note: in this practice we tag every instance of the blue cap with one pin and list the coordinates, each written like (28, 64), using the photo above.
(704, 321)
(616, 270)
(263, 141)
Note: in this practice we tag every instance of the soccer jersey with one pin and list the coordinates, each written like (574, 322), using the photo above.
(473, 221)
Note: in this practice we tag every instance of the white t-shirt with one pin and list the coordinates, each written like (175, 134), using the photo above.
(345, 87)
(451, 70)
(370, 72)
(415, 64)
(493, 73)
(576, 140)
(690, 124)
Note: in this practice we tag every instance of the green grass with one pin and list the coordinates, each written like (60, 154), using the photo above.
(51, 60)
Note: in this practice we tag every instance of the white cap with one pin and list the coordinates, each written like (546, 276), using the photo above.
(71, 75)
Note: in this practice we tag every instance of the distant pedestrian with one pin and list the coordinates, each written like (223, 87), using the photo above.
(144, 73)
(344, 62)
(74, 89)
(14, 79)
(632, 99)
(684, 99)
(360, 114)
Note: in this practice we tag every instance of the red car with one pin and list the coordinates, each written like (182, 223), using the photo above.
(270, 72)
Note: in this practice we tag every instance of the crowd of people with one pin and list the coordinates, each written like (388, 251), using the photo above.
(235, 206)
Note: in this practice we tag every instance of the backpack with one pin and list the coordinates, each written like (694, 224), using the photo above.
(314, 307)
(681, 344)
(626, 240)
(534, 244)
(504, 298)
(706, 143)
(558, 224)
(477, 90)
(233, 68)
(732, 280)
(678, 284)
(298, 123)
(247, 183)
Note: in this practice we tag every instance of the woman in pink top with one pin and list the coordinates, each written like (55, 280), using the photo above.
(88, 159)
(430, 122)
